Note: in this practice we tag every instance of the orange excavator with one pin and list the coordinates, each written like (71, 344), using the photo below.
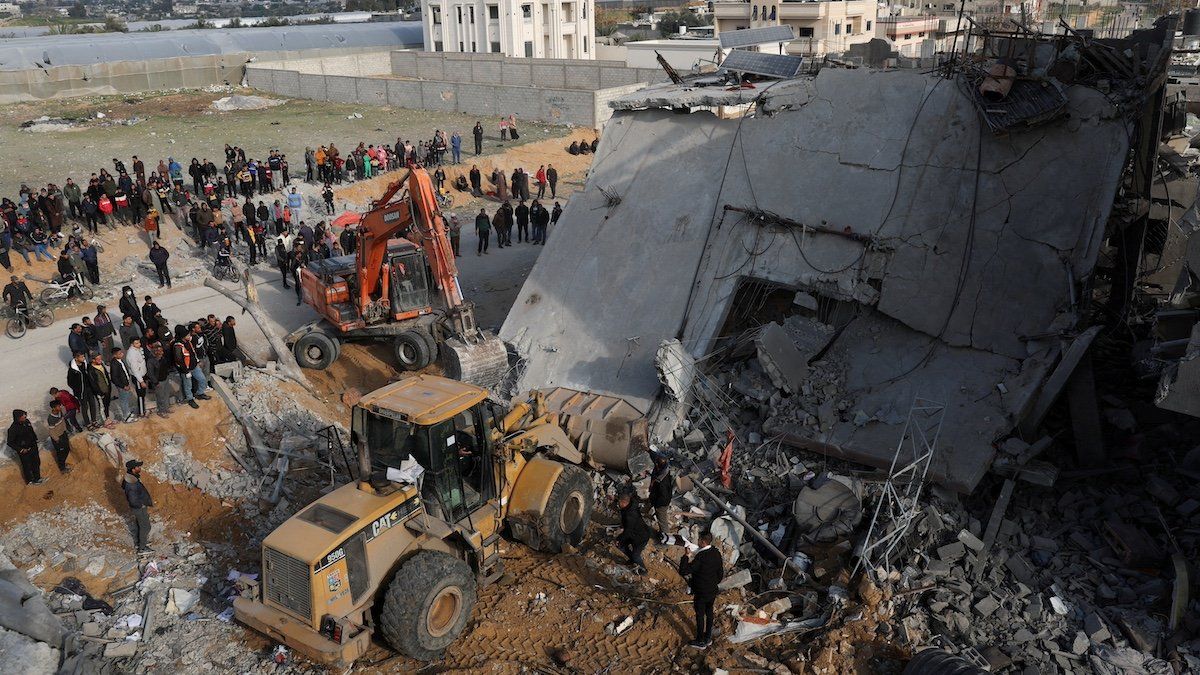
(404, 290)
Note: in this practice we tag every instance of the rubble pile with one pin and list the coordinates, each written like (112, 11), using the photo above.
(74, 540)
(179, 466)
(274, 411)
(186, 265)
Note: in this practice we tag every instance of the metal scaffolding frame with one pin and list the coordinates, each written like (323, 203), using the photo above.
(899, 503)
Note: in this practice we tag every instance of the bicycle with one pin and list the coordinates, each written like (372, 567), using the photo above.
(225, 272)
(61, 290)
(444, 198)
(22, 315)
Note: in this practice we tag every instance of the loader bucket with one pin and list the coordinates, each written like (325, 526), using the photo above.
(482, 362)
(608, 430)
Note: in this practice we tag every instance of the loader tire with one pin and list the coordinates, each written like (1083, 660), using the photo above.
(568, 511)
(427, 604)
(315, 350)
(412, 350)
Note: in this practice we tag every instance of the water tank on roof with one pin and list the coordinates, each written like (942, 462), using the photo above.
(1191, 22)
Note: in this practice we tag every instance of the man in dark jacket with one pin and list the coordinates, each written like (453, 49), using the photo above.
(281, 260)
(483, 230)
(139, 500)
(541, 218)
(159, 256)
(16, 293)
(60, 438)
(229, 339)
(552, 180)
(634, 532)
(704, 572)
(149, 313)
(662, 489)
(477, 132)
(24, 442)
(522, 213)
(83, 386)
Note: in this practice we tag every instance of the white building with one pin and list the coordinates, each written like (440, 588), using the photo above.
(557, 29)
(10, 9)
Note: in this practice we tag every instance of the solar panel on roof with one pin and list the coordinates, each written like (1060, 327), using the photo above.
(756, 36)
(770, 65)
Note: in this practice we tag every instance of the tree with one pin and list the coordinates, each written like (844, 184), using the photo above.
(669, 23)
(115, 24)
(77, 11)
(608, 19)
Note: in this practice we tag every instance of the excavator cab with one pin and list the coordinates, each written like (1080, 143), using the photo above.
(409, 285)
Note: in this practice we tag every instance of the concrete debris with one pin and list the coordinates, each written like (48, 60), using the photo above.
(244, 102)
(780, 358)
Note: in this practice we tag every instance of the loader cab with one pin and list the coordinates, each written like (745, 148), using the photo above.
(446, 427)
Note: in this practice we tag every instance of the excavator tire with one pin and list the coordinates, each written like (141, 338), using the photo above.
(412, 350)
(482, 363)
(568, 511)
(427, 604)
(315, 350)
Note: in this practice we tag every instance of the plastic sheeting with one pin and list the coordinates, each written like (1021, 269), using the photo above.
(67, 50)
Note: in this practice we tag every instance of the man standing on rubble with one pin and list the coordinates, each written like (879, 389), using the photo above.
(139, 500)
(662, 490)
(634, 532)
(24, 442)
(703, 572)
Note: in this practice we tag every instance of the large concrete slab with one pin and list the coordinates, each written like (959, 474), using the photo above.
(970, 233)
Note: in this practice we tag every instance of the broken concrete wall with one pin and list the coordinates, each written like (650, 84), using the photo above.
(968, 241)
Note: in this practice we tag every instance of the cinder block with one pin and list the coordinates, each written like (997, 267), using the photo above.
(430, 66)
(477, 99)
(341, 89)
(404, 93)
(439, 96)
(404, 63)
(616, 77)
(582, 77)
(516, 73)
(371, 90)
(312, 87)
(549, 76)
(486, 71)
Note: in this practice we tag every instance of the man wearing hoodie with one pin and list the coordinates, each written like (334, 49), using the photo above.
(139, 500)
(129, 306)
(24, 442)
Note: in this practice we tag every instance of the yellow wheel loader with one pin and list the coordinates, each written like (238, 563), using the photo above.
(442, 470)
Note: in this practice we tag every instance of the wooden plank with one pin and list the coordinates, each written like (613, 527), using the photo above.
(993, 526)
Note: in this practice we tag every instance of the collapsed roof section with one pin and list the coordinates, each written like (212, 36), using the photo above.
(943, 255)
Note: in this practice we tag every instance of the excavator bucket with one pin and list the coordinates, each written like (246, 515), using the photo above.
(482, 362)
(609, 431)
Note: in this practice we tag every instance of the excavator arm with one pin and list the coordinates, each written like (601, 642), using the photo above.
(430, 233)
(379, 224)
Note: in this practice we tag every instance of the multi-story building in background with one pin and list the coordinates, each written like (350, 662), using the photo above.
(822, 27)
(559, 29)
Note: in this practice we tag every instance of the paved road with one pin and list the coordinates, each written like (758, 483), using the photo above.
(33, 364)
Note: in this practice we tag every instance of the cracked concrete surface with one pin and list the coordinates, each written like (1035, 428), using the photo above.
(973, 238)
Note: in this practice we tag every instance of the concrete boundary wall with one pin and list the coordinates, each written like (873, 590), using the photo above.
(492, 69)
(556, 91)
(124, 77)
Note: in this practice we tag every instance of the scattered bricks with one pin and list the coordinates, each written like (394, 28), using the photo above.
(1161, 490)
(1043, 544)
(1081, 644)
(736, 580)
(91, 629)
(1022, 636)
(987, 606)
(951, 552)
(1095, 628)
(1034, 613)
(116, 650)
(970, 541)
(1021, 570)
(937, 568)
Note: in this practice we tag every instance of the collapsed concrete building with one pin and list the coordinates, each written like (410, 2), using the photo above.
(931, 243)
